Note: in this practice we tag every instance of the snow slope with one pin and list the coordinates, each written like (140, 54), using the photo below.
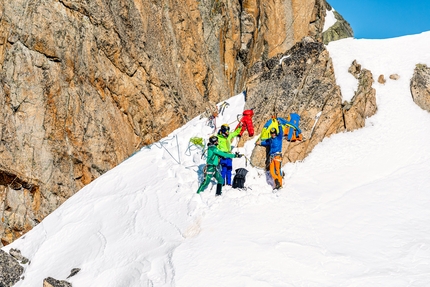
(355, 212)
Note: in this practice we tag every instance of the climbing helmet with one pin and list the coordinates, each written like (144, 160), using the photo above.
(213, 140)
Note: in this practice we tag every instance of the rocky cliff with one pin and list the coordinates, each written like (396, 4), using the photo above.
(84, 84)
(302, 81)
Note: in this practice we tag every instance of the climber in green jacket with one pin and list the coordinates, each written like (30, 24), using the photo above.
(212, 165)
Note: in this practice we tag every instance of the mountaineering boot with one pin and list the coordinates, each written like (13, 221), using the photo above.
(218, 189)
(277, 184)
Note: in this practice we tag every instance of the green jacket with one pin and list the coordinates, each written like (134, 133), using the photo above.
(214, 154)
(224, 143)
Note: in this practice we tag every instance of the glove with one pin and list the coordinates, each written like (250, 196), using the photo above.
(238, 155)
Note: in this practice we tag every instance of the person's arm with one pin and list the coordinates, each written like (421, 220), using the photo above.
(281, 131)
(235, 133)
(242, 127)
(224, 154)
(262, 143)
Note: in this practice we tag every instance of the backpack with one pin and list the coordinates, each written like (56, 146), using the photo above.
(239, 178)
(272, 123)
(291, 128)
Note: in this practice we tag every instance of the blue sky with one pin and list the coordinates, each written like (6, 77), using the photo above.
(380, 19)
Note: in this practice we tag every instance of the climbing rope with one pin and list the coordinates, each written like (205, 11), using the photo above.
(166, 141)
(195, 143)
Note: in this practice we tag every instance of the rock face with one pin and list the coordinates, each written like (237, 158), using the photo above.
(339, 30)
(303, 82)
(84, 83)
(10, 270)
(51, 282)
(362, 105)
(420, 86)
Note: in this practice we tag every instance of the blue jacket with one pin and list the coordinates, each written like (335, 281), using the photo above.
(275, 144)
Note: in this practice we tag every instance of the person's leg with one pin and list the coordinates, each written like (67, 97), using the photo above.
(229, 168)
(205, 183)
(220, 181)
(218, 189)
(275, 171)
(209, 173)
(272, 170)
(224, 163)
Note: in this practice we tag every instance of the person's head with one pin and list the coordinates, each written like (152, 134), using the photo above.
(225, 130)
(249, 113)
(213, 140)
(273, 132)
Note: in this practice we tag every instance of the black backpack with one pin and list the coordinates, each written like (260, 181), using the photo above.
(239, 178)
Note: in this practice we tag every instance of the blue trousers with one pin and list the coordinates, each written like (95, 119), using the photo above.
(226, 168)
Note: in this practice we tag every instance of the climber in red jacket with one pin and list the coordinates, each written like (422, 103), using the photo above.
(246, 122)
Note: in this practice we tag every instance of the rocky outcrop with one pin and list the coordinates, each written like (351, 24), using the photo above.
(394, 77)
(303, 82)
(84, 84)
(339, 30)
(10, 270)
(362, 104)
(355, 69)
(15, 253)
(381, 79)
(420, 86)
(51, 282)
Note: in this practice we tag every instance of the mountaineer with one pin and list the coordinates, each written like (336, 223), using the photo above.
(275, 153)
(225, 138)
(212, 165)
(246, 123)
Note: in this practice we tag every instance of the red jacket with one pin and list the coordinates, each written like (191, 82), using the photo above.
(246, 122)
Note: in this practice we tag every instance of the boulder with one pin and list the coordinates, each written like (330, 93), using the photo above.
(10, 270)
(420, 86)
(51, 282)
